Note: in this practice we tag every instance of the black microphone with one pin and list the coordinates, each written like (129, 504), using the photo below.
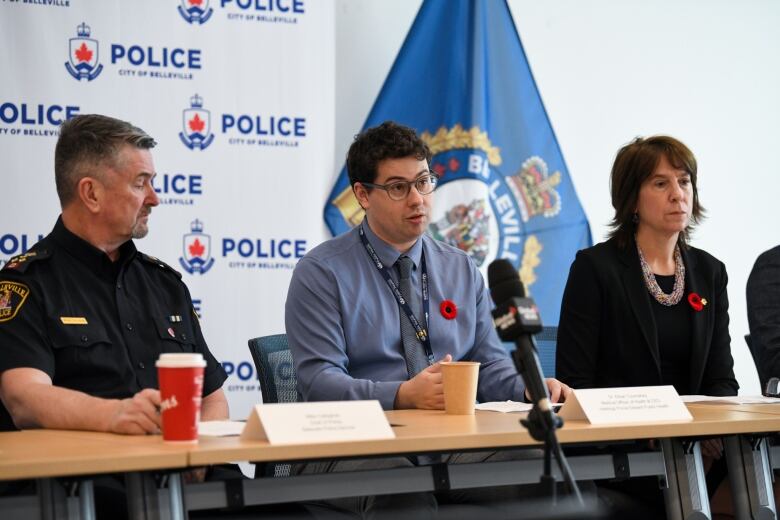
(516, 319)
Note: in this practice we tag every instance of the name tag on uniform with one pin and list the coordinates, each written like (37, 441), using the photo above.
(73, 320)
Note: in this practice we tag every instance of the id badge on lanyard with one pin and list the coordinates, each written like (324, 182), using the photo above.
(422, 332)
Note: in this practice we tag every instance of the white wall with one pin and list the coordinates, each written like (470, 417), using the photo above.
(705, 72)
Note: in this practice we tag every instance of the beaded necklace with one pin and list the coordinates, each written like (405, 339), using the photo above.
(652, 285)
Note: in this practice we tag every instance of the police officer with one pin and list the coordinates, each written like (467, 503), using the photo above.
(83, 314)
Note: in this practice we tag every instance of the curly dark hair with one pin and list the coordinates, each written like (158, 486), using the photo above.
(87, 143)
(634, 163)
(386, 141)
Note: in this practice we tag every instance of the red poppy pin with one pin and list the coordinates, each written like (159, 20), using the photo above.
(696, 301)
(448, 309)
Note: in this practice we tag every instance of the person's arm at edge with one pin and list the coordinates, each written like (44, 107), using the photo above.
(34, 402)
(763, 308)
(214, 407)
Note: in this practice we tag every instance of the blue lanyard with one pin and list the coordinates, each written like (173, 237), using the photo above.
(422, 333)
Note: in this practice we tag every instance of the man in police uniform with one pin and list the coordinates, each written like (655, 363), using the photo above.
(83, 314)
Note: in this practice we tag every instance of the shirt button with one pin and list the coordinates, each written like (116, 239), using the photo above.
(84, 338)
(141, 365)
(184, 337)
(129, 326)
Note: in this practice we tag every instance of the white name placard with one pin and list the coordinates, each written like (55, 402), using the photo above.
(309, 423)
(625, 405)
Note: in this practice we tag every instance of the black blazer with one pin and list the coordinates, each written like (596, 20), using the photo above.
(607, 333)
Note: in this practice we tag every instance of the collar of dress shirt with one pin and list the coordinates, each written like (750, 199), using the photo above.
(387, 253)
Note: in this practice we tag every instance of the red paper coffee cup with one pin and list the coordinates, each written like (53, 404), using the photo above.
(181, 385)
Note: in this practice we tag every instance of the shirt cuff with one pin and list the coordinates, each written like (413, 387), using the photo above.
(385, 392)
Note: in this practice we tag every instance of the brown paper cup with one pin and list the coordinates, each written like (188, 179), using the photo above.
(460, 386)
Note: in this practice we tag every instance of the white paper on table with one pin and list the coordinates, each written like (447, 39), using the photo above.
(509, 406)
(220, 428)
(736, 399)
(504, 406)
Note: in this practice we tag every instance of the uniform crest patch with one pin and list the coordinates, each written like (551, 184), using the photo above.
(12, 297)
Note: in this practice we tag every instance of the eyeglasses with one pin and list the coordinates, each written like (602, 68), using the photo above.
(424, 185)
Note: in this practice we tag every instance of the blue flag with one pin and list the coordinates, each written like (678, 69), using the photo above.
(463, 82)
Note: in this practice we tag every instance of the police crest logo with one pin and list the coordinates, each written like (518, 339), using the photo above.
(481, 209)
(195, 11)
(83, 55)
(12, 297)
(466, 227)
(197, 250)
(196, 125)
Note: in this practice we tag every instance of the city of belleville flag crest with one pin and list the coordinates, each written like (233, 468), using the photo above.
(463, 82)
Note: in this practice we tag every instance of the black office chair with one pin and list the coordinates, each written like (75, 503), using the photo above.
(275, 368)
(276, 373)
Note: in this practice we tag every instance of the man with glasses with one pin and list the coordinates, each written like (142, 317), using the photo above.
(372, 312)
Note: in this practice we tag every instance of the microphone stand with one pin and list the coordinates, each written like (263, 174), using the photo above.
(516, 319)
(542, 422)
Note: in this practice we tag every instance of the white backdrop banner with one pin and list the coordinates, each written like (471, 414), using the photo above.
(239, 95)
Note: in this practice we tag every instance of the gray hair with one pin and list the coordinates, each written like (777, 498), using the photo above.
(88, 141)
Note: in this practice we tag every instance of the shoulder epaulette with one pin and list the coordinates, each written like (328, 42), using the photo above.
(21, 262)
(159, 263)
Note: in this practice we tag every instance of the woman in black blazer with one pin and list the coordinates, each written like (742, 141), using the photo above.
(645, 308)
(613, 333)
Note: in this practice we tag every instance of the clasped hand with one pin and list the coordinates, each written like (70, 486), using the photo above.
(137, 415)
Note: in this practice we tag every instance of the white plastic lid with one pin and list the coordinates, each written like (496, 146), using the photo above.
(181, 360)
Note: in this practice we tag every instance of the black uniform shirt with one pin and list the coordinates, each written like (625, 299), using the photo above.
(95, 325)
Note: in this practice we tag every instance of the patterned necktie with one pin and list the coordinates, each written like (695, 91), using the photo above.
(416, 360)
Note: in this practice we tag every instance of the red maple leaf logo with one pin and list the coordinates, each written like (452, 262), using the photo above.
(83, 53)
(196, 248)
(439, 169)
(196, 2)
(454, 164)
(196, 124)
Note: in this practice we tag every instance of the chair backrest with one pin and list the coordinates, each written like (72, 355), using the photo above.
(276, 373)
(545, 343)
(275, 368)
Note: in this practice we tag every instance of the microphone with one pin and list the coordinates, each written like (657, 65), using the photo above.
(516, 319)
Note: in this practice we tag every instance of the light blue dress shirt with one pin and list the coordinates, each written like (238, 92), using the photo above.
(343, 323)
